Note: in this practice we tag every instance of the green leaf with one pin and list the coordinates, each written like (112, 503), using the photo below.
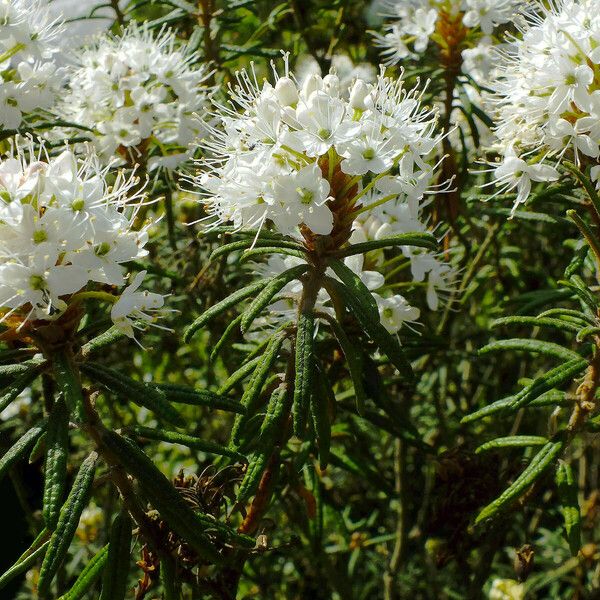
(513, 441)
(587, 184)
(553, 397)
(239, 375)
(265, 296)
(256, 468)
(224, 339)
(553, 378)
(537, 322)
(354, 283)
(108, 338)
(579, 287)
(21, 447)
(420, 240)
(116, 571)
(184, 395)
(149, 396)
(575, 316)
(67, 524)
(190, 441)
(161, 493)
(254, 252)
(567, 493)
(232, 300)
(387, 343)
(252, 393)
(531, 345)
(86, 578)
(304, 368)
(252, 243)
(67, 380)
(168, 577)
(55, 472)
(25, 561)
(26, 375)
(274, 421)
(542, 460)
(319, 411)
(354, 361)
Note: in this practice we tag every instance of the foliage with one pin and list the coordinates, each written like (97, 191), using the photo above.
(399, 400)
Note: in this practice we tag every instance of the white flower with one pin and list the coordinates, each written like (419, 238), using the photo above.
(302, 195)
(412, 22)
(546, 101)
(274, 162)
(29, 41)
(394, 311)
(506, 589)
(63, 228)
(514, 172)
(134, 305)
(138, 93)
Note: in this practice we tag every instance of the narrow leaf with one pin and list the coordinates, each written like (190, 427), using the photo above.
(116, 571)
(232, 300)
(354, 283)
(265, 296)
(555, 377)
(149, 396)
(184, 395)
(67, 523)
(304, 368)
(537, 322)
(513, 441)
(567, 492)
(190, 441)
(21, 447)
(531, 345)
(421, 240)
(55, 472)
(530, 475)
(25, 377)
(67, 380)
(25, 562)
(553, 397)
(387, 343)
(251, 398)
(108, 338)
(86, 578)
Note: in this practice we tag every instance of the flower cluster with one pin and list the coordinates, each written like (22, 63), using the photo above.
(313, 164)
(277, 160)
(342, 65)
(62, 227)
(29, 78)
(413, 23)
(140, 95)
(547, 95)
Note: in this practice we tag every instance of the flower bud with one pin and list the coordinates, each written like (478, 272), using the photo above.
(358, 93)
(311, 84)
(331, 84)
(286, 92)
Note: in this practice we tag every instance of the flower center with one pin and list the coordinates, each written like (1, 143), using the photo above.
(324, 133)
(37, 282)
(78, 204)
(369, 154)
(39, 236)
(306, 196)
(102, 249)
